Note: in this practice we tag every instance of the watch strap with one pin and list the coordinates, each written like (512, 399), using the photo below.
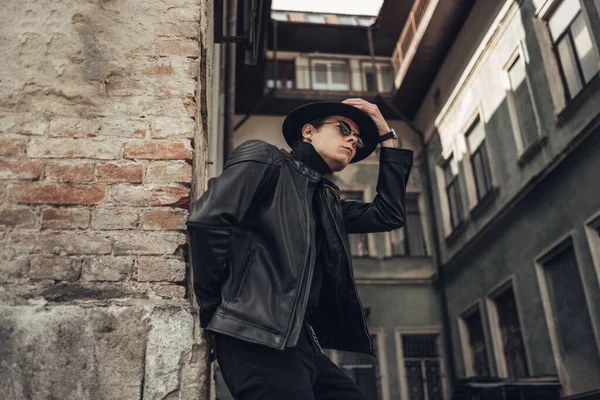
(390, 135)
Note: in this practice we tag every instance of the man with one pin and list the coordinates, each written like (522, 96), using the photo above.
(271, 262)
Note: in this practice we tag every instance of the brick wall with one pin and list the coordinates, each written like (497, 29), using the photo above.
(98, 114)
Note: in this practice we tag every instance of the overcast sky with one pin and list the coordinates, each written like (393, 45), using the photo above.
(356, 7)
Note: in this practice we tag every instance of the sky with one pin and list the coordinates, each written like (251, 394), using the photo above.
(356, 7)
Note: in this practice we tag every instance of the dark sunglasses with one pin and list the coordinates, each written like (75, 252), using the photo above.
(347, 131)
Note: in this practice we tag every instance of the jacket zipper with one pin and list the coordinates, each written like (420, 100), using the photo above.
(302, 280)
(339, 235)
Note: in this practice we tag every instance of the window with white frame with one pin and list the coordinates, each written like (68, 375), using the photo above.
(359, 242)
(409, 240)
(480, 162)
(567, 314)
(347, 20)
(279, 16)
(507, 335)
(453, 193)
(330, 75)
(363, 369)
(379, 80)
(474, 347)
(575, 51)
(422, 376)
(522, 105)
(316, 18)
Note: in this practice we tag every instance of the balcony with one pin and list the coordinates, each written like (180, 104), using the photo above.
(427, 35)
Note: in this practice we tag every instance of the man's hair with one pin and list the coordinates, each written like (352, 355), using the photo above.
(317, 123)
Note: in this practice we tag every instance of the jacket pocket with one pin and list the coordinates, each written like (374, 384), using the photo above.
(237, 285)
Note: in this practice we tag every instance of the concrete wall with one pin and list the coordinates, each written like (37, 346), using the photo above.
(100, 103)
(541, 197)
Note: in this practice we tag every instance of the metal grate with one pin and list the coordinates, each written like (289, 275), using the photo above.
(422, 365)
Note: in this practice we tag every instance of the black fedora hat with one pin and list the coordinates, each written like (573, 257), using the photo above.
(293, 123)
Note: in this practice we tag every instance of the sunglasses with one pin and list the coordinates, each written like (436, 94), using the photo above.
(347, 131)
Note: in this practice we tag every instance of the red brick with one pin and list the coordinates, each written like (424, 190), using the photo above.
(147, 243)
(160, 69)
(164, 219)
(56, 268)
(169, 29)
(107, 268)
(69, 171)
(61, 243)
(169, 173)
(158, 150)
(19, 169)
(114, 218)
(119, 173)
(156, 269)
(174, 88)
(65, 218)
(17, 216)
(164, 127)
(185, 48)
(148, 196)
(73, 127)
(74, 148)
(124, 86)
(40, 193)
(190, 107)
(12, 147)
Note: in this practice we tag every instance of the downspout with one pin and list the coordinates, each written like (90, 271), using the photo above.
(230, 59)
(433, 225)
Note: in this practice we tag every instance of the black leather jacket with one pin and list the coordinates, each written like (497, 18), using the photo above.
(253, 251)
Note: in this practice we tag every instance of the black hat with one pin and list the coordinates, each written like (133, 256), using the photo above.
(292, 126)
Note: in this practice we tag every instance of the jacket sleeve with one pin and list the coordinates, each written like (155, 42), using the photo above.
(225, 203)
(387, 210)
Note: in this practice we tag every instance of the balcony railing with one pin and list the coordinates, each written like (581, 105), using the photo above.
(407, 36)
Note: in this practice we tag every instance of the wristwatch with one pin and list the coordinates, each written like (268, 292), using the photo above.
(390, 135)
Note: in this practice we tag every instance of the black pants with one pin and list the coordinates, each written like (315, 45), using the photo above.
(252, 371)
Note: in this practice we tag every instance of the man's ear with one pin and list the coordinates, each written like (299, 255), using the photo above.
(307, 132)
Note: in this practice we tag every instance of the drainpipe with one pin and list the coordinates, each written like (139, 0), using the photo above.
(436, 251)
(229, 80)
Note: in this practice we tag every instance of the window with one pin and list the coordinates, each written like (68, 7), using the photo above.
(365, 21)
(568, 316)
(475, 351)
(279, 16)
(346, 20)
(409, 240)
(381, 81)
(330, 75)
(453, 192)
(286, 74)
(422, 362)
(525, 119)
(573, 46)
(315, 18)
(507, 336)
(479, 159)
(359, 243)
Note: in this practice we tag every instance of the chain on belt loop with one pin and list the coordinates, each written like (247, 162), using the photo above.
(314, 335)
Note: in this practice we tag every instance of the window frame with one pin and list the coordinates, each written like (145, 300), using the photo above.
(486, 161)
(561, 244)
(459, 201)
(419, 330)
(389, 247)
(330, 86)
(592, 230)
(523, 149)
(290, 65)
(571, 43)
(465, 338)
(378, 75)
(495, 328)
